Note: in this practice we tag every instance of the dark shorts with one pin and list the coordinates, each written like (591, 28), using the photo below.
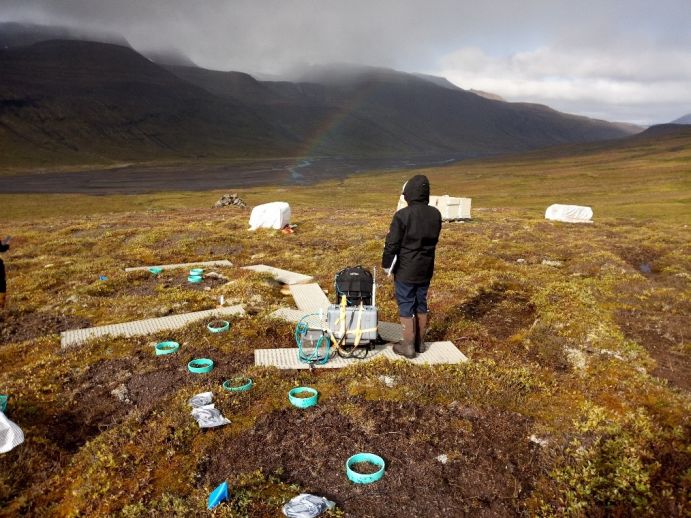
(3, 285)
(411, 298)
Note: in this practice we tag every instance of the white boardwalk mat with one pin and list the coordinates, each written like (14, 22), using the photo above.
(284, 276)
(222, 262)
(144, 327)
(309, 298)
(438, 353)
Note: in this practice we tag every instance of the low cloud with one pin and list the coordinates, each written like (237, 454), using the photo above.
(641, 85)
(579, 56)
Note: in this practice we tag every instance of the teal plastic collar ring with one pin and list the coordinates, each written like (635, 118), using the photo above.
(238, 384)
(218, 326)
(194, 279)
(200, 365)
(155, 270)
(365, 478)
(166, 348)
(3, 402)
(303, 402)
(197, 271)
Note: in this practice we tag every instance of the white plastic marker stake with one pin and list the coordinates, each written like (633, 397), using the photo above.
(374, 288)
(389, 270)
(221, 300)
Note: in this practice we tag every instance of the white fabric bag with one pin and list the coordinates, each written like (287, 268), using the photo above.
(270, 215)
(569, 213)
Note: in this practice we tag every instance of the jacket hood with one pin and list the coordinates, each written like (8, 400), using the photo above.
(416, 190)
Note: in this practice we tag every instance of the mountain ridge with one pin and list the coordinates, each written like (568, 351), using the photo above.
(67, 101)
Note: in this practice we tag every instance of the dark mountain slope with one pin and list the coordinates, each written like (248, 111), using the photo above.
(364, 110)
(72, 101)
(85, 102)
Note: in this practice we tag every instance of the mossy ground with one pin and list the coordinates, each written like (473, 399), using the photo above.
(554, 355)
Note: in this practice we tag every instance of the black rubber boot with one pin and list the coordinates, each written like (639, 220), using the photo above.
(420, 332)
(406, 347)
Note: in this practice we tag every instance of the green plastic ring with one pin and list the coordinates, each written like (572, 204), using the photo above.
(169, 347)
(155, 270)
(3, 402)
(303, 402)
(232, 387)
(194, 279)
(200, 365)
(365, 478)
(220, 329)
(197, 271)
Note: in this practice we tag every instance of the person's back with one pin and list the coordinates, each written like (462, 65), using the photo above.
(412, 240)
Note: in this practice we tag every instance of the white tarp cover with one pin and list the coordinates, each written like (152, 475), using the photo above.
(451, 208)
(11, 435)
(569, 213)
(270, 215)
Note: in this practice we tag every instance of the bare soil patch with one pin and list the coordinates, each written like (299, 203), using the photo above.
(18, 326)
(661, 335)
(489, 468)
(503, 313)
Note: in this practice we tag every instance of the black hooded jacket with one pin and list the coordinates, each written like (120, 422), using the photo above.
(413, 235)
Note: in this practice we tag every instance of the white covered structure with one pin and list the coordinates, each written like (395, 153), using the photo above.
(569, 213)
(451, 208)
(270, 215)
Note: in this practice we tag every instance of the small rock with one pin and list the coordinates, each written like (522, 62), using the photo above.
(285, 291)
(48, 265)
(216, 275)
(73, 299)
(121, 393)
(443, 458)
(541, 442)
(389, 381)
(556, 264)
(207, 288)
(256, 298)
(521, 260)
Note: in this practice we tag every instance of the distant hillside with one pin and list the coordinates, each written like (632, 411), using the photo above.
(378, 111)
(685, 119)
(71, 102)
(665, 130)
(83, 102)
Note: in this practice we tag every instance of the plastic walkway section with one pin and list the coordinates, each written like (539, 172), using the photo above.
(309, 298)
(223, 262)
(144, 327)
(284, 276)
(438, 353)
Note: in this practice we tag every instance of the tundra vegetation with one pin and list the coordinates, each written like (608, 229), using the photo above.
(575, 400)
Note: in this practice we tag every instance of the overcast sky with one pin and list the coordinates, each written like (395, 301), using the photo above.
(621, 60)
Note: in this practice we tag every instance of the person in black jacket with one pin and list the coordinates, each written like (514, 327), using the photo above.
(409, 251)
(4, 247)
